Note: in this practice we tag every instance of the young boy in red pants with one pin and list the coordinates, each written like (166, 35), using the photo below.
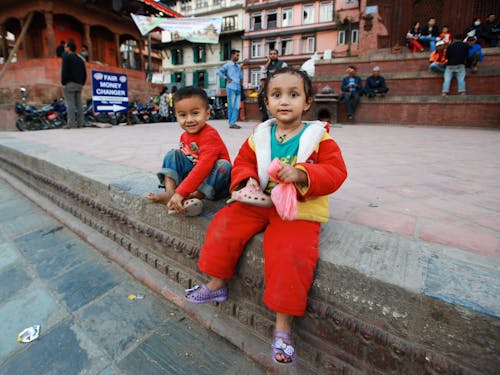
(312, 162)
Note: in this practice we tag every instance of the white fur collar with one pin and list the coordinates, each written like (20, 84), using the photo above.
(262, 141)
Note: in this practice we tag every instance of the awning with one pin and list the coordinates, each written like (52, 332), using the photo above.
(158, 5)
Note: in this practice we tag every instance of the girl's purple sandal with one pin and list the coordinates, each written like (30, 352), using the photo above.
(287, 350)
(201, 294)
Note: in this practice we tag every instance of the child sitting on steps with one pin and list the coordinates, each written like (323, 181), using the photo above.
(201, 167)
(310, 160)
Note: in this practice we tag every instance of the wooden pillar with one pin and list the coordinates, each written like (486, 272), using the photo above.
(141, 55)
(5, 45)
(118, 53)
(27, 50)
(87, 41)
(51, 36)
(18, 43)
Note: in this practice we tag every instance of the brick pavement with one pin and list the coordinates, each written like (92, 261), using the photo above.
(49, 276)
(434, 184)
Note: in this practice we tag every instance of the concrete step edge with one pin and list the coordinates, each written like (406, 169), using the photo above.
(367, 240)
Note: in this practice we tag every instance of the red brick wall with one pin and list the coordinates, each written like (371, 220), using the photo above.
(42, 78)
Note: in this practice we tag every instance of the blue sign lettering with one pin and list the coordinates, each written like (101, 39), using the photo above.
(109, 91)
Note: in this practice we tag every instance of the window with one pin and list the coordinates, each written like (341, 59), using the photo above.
(354, 36)
(201, 4)
(177, 79)
(346, 38)
(308, 44)
(256, 21)
(270, 45)
(229, 23)
(286, 17)
(186, 5)
(272, 19)
(341, 37)
(200, 78)
(130, 58)
(218, 2)
(177, 56)
(199, 53)
(326, 12)
(225, 50)
(255, 77)
(256, 49)
(286, 47)
(308, 14)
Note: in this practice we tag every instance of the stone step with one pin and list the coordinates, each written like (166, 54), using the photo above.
(380, 302)
(484, 82)
(454, 110)
(393, 63)
(425, 110)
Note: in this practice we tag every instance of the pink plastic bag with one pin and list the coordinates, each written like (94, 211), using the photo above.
(284, 196)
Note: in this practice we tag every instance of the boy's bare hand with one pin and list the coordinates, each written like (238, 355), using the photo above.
(175, 203)
(290, 174)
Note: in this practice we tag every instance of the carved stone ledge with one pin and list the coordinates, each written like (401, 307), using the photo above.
(333, 341)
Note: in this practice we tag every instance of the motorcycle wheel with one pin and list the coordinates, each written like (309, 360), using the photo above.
(21, 124)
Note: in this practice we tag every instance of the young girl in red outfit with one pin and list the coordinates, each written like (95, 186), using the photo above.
(311, 161)
(412, 37)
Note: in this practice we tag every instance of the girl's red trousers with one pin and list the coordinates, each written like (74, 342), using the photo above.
(290, 252)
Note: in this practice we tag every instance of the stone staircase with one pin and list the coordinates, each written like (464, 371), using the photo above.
(380, 303)
(414, 96)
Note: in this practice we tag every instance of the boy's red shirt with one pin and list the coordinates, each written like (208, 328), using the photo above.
(204, 149)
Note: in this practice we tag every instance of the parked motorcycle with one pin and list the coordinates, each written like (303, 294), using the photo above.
(218, 109)
(28, 118)
(50, 116)
(133, 114)
(113, 118)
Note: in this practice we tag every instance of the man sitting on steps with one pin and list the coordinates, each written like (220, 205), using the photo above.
(375, 84)
(352, 88)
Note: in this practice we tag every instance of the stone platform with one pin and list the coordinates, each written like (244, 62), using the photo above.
(408, 278)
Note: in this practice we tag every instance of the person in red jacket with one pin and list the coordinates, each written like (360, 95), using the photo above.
(201, 167)
(311, 162)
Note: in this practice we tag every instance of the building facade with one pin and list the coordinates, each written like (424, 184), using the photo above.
(186, 63)
(298, 30)
(106, 29)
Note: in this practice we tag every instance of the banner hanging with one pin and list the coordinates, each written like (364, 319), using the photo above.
(195, 30)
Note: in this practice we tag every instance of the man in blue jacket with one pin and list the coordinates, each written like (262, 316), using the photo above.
(475, 53)
(352, 88)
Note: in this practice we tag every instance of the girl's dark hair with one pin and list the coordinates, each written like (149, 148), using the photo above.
(308, 89)
(189, 92)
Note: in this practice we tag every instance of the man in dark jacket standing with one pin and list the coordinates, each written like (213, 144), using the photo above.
(73, 77)
(273, 63)
(456, 54)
